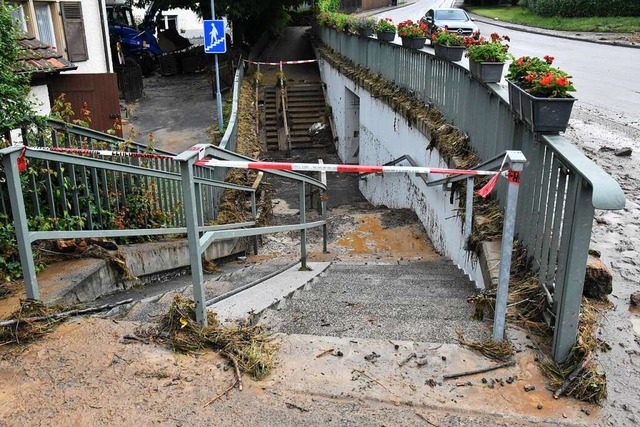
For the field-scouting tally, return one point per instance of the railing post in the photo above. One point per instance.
(254, 216)
(323, 209)
(468, 214)
(193, 236)
(303, 232)
(574, 248)
(16, 199)
(515, 161)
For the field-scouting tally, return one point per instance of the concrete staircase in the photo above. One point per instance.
(306, 106)
(418, 301)
(156, 300)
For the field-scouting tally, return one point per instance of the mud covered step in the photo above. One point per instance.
(421, 290)
(396, 270)
(348, 323)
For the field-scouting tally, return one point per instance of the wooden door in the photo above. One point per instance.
(99, 91)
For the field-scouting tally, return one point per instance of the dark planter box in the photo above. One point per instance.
(386, 36)
(542, 114)
(414, 42)
(449, 53)
(488, 72)
(366, 32)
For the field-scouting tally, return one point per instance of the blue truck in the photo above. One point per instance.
(133, 44)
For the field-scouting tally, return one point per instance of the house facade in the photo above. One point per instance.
(78, 32)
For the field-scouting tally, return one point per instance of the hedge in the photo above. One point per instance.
(583, 8)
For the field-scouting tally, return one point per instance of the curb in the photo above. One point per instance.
(542, 32)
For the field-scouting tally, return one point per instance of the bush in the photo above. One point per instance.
(583, 8)
(328, 5)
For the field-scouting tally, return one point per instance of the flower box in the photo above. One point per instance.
(488, 72)
(366, 32)
(386, 36)
(414, 42)
(449, 53)
(542, 114)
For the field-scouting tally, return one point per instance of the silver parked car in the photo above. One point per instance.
(454, 20)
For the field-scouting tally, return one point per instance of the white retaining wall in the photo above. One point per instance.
(384, 136)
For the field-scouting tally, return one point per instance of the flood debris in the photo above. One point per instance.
(251, 349)
(324, 352)
(481, 370)
(496, 350)
(407, 359)
(34, 319)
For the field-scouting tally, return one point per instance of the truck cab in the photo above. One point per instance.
(132, 44)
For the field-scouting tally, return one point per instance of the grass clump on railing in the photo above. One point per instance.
(578, 376)
(251, 347)
(235, 206)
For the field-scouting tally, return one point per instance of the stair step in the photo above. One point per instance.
(383, 291)
(348, 324)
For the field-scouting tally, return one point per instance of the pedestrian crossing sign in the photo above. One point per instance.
(214, 36)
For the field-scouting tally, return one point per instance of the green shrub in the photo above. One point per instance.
(584, 8)
(328, 5)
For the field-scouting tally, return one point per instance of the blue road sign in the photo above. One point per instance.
(214, 37)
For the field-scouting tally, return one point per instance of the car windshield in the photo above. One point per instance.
(451, 15)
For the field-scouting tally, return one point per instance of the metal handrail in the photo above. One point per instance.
(399, 160)
(560, 186)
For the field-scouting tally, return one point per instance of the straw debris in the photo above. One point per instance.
(24, 332)
(251, 346)
(235, 205)
(501, 350)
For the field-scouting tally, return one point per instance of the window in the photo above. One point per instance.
(45, 24)
(18, 15)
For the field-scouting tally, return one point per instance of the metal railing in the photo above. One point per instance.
(200, 239)
(91, 188)
(560, 187)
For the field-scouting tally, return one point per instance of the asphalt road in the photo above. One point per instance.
(605, 76)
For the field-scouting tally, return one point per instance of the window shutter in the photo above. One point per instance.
(74, 30)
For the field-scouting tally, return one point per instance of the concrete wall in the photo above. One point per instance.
(384, 136)
(39, 97)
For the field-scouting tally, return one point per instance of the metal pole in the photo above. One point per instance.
(303, 233)
(218, 94)
(468, 217)
(516, 162)
(20, 223)
(193, 236)
(254, 216)
(323, 209)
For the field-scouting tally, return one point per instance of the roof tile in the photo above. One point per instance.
(38, 57)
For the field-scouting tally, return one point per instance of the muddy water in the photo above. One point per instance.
(617, 235)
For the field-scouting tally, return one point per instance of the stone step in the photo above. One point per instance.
(444, 306)
(349, 324)
(418, 289)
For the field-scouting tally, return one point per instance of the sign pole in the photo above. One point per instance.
(218, 94)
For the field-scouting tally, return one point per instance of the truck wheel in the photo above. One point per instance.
(148, 65)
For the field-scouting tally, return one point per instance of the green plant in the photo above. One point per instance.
(537, 77)
(15, 108)
(385, 25)
(328, 5)
(364, 23)
(446, 38)
(412, 29)
(482, 50)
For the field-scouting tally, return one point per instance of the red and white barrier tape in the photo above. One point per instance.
(88, 152)
(301, 61)
(317, 167)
